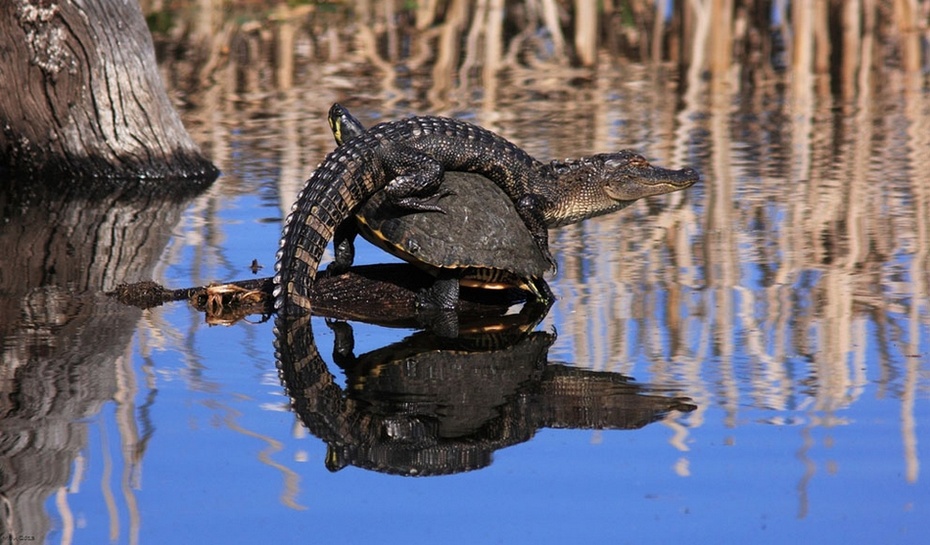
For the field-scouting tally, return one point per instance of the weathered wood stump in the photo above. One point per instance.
(81, 95)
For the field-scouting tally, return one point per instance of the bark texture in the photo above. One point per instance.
(80, 94)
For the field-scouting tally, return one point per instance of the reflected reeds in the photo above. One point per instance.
(786, 283)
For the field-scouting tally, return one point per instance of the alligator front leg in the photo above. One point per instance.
(417, 179)
(530, 207)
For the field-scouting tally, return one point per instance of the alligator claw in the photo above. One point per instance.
(336, 269)
(424, 204)
(542, 241)
(418, 205)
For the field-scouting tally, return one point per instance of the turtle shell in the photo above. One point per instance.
(480, 237)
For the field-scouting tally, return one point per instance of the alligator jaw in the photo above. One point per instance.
(647, 181)
(578, 189)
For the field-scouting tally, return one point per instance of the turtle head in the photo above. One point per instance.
(344, 125)
(605, 182)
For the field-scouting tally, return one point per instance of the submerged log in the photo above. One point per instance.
(381, 294)
(82, 95)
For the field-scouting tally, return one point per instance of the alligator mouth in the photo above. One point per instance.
(657, 182)
(680, 179)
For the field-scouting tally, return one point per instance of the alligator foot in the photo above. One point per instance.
(427, 203)
(417, 178)
(530, 207)
(343, 343)
(344, 247)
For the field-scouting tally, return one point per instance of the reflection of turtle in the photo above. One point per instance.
(479, 239)
(498, 356)
(431, 405)
(437, 401)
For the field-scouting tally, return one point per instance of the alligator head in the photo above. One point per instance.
(576, 189)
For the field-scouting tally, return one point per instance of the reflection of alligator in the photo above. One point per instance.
(407, 159)
(432, 405)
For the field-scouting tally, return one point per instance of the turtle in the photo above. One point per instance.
(463, 244)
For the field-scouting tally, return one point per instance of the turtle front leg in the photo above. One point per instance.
(437, 304)
(443, 294)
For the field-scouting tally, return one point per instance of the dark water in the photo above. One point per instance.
(786, 295)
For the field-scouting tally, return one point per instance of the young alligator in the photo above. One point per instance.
(479, 240)
(568, 191)
(407, 159)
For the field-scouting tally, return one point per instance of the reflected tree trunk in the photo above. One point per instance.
(82, 95)
(62, 340)
(85, 125)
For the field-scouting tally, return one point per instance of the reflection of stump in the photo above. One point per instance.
(83, 95)
(62, 340)
(59, 366)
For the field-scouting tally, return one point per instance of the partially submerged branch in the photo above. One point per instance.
(382, 294)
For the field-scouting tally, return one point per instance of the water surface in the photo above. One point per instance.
(786, 295)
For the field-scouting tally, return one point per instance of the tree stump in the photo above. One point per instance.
(80, 95)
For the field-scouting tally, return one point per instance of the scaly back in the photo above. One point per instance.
(353, 172)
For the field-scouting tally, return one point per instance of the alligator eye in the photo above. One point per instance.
(559, 167)
(618, 163)
(627, 160)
